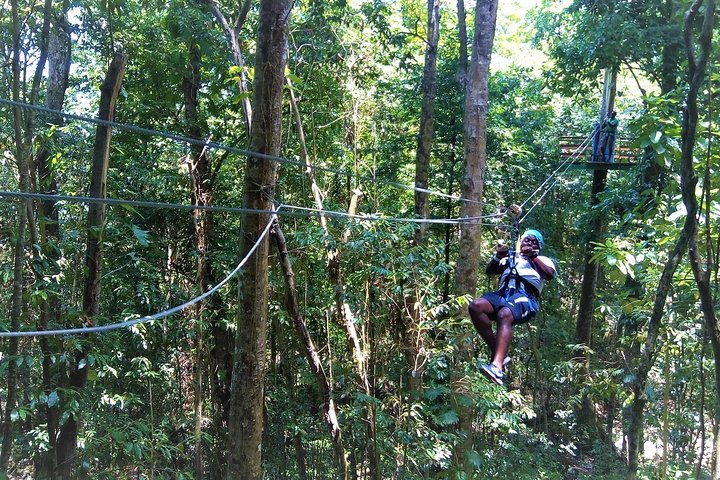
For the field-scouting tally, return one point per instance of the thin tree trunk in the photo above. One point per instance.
(300, 456)
(461, 75)
(701, 414)
(67, 439)
(200, 173)
(449, 229)
(702, 268)
(587, 419)
(688, 238)
(22, 160)
(11, 350)
(476, 104)
(59, 60)
(411, 336)
(425, 134)
(232, 38)
(245, 423)
(466, 271)
(325, 389)
(667, 378)
(343, 308)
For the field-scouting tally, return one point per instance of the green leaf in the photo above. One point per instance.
(474, 458)
(651, 393)
(141, 235)
(53, 399)
(433, 393)
(130, 208)
(294, 79)
(448, 418)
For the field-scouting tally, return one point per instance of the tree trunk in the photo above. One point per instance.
(344, 311)
(466, 271)
(425, 134)
(245, 423)
(688, 180)
(200, 171)
(232, 33)
(67, 439)
(476, 103)
(688, 236)
(587, 419)
(462, 72)
(449, 209)
(411, 335)
(670, 52)
(325, 389)
(22, 160)
(59, 61)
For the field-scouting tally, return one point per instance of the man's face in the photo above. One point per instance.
(531, 242)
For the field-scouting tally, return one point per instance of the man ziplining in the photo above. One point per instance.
(515, 302)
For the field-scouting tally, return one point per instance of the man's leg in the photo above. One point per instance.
(601, 148)
(480, 312)
(502, 336)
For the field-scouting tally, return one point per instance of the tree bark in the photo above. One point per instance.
(697, 67)
(587, 419)
(22, 161)
(325, 389)
(461, 75)
(59, 61)
(245, 422)
(425, 134)
(688, 235)
(344, 312)
(232, 38)
(67, 439)
(466, 271)
(476, 104)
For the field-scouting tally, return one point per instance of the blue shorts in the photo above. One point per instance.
(523, 306)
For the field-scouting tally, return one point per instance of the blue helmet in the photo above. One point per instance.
(534, 233)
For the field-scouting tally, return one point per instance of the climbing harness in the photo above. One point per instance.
(514, 212)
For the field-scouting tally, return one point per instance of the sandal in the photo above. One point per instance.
(493, 373)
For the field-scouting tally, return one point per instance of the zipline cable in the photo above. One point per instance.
(571, 159)
(210, 144)
(157, 316)
(300, 211)
(220, 146)
(537, 202)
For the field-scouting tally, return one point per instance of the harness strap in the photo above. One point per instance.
(527, 287)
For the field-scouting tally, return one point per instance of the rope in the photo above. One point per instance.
(220, 146)
(292, 210)
(157, 316)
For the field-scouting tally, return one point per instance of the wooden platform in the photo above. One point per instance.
(601, 165)
(580, 151)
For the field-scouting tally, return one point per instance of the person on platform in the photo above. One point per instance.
(608, 129)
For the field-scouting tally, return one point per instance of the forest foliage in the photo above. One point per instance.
(154, 398)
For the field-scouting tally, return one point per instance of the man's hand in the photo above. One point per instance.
(501, 250)
(529, 252)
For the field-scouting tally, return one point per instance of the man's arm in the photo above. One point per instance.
(543, 267)
(496, 265)
(541, 264)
